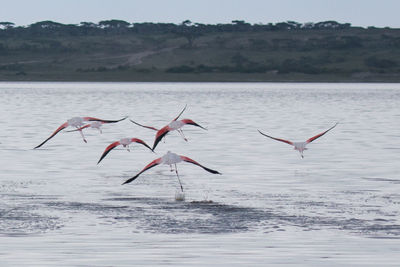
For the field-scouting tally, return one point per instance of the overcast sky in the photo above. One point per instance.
(363, 13)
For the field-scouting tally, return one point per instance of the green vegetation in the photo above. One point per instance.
(116, 50)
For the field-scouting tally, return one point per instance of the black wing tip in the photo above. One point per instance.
(129, 180)
(158, 140)
(214, 171)
(211, 170)
(202, 127)
(40, 144)
(263, 133)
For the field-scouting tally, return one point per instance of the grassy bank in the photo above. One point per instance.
(346, 54)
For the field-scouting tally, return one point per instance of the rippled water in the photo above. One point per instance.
(340, 205)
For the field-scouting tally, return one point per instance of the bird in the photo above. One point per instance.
(77, 122)
(175, 124)
(125, 142)
(300, 146)
(170, 159)
(95, 125)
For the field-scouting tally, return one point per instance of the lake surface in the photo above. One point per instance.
(340, 205)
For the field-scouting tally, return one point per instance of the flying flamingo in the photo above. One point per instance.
(300, 146)
(77, 122)
(95, 125)
(170, 159)
(173, 125)
(125, 142)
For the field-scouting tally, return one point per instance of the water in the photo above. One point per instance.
(340, 205)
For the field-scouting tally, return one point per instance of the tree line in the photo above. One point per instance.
(122, 27)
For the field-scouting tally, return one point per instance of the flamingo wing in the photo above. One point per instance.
(321, 134)
(190, 122)
(137, 140)
(63, 126)
(79, 129)
(186, 159)
(148, 127)
(277, 139)
(180, 113)
(103, 121)
(160, 134)
(149, 166)
(108, 149)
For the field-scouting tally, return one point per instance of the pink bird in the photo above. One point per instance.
(77, 122)
(94, 125)
(172, 126)
(125, 142)
(170, 159)
(300, 146)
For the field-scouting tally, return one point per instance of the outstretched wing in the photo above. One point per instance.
(104, 121)
(108, 149)
(139, 141)
(149, 166)
(79, 129)
(160, 134)
(277, 139)
(321, 134)
(148, 127)
(186, 159)
(180, 113)
(190, 122)
(63, 126)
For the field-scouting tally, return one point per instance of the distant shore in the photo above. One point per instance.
(225, 77)
(116, 50)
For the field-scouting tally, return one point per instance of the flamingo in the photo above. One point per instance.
(125, 142)
(170, 159)
(77, 122)
(300, 146)
(95, 125)
(172, 126)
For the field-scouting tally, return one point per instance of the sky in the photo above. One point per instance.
(364, 13)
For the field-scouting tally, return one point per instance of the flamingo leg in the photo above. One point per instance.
(183, 136)
(83, 137)
(100, 131)
(177, 175)
(170, 168)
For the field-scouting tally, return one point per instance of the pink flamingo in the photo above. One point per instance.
(125, 142)
(300, 146)
(170, 159)
(77, 122)
(172, 126)
(94, 125)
